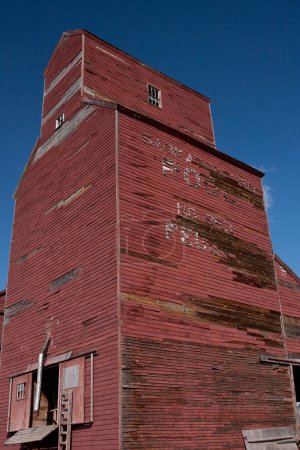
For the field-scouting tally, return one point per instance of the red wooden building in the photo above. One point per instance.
(145, 309)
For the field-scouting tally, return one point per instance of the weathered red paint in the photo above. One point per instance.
(77, 387)
(2, 302)
(195, 317)
(289, 293)
(134, 235)
(19, 413)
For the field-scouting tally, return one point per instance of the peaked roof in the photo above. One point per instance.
(205, 146)
(82, 31)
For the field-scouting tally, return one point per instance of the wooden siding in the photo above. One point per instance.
(2, 303)
(57, 94)
(194, 274)
(72, 377)
(289, 292)
(20, 408)
(199, 298)
(63, 85)
(66, 51)
(111, 74)
(63, 274)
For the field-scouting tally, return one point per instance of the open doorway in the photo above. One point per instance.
(47, 414)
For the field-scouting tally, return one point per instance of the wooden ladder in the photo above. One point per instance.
(65, 421)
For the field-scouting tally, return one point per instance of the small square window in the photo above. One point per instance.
(59, 121)
(154, 97)
(21, 391)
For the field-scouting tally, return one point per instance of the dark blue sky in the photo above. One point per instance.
(244, 55)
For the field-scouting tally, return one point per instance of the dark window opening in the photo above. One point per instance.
(154, 96)
(21, 391)
(59, 121)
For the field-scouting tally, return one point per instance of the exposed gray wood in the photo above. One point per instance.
(65, 278)
(278, 360)
(63, 73)
(103, 103)
(16, 308)
(270, 439)
(67, 95)
(34, 434)
(61, 133)
(71, 377)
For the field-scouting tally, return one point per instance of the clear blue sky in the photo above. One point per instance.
(244, 55)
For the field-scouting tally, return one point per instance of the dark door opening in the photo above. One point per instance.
(296, 375)
(49, 398)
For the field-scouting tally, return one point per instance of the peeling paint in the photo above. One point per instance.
(65, 97)
(66, 201)
(61, 75)
(29, 255)
(147, 257)
(173, 150)
(64, 131)
(16, 309)
(218, 311)
(89, 321)
(169, 167)
(65, 278)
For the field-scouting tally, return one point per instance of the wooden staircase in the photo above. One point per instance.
(65, 421)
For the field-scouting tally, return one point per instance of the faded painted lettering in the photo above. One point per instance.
(179, 154)
(193, 214)
(189, 236)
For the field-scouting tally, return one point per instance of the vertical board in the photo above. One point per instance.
(72, 378)
(20, 409)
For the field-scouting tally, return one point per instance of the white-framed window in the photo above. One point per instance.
(60, 120)
(154, 96)
(21, 391)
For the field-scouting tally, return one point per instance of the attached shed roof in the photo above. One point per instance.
(34, 434)
(281, 438)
